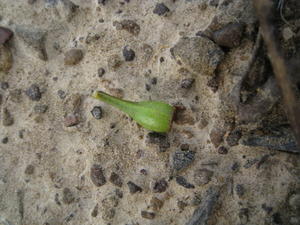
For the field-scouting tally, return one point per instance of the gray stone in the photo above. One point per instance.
(161, 9)
(161, 140)
(198, 53)
(115, 179)
(202, 176)
(73, 57)
(160, 186)
(183, 182)
(133, 188)
(128, 54)
(182, 159)
(97, 112)
(33, 92)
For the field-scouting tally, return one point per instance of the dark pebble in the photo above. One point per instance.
(4, 85)
(184, 147)
(40, 108)
(61, 94)
(101, 72)
(97, 175)
(160, 186)
(144, 172)
(5, 35)
(101, 2)
(181, 205)
(222, 150)
(148, 215)
(244, 215)
(156, 204)
(277, 218)
(72, 119)
(182, 159)
(147, 87)
(187, 83)
(119, 193)
(235, 166)
(154, 81)
(4, 140)
(56, 199)
(73, 57)
(133, 188)
(161, 59)
(234, 137)
(266, 208)
(7, 119)
(240, 190)
(161, 9)
(216, 136)
(68, 196)
(29, 170)
(95, 211)
(213, 83)
(184, 183)
(214, 3)
(97, 112)
(115, 179)
(128, 25)
(229, 36)
(128, 54)
(33, 92)
(158, 139)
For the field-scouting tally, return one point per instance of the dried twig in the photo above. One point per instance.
(264, 10)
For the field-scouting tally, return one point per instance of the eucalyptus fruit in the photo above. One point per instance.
(152, 115)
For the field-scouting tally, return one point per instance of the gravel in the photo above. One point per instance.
(133, 188)
(182, 159)
(161, 9)
(128, 54)
(97, 112)
(33, 92)
(184, 183)
(97, 175)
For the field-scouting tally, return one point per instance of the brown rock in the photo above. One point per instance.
(229, 36)
(148, 215)
(68, 196)
(115, 179)
(29, 170)
(71, 120)
(128, 25)
(156, 204)
(97, 175)
(73, 57)
(216, 136)
(160, 186)
(5, 59)
(5, 35)
(7, 119)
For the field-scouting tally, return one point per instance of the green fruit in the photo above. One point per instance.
(152, 115)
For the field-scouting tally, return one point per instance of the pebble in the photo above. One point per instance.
(160, 186)
(128, 54)
(234, 137)
(114, 62)
(102, 2)
(29, 169)
(4, 85)
(156, 204)
(187, 83)
(198, 54)
(61, 94)
(5, 35)
(129, 25)
(68, 196)
(119, 193)
(97, 112)
(101, 72)
(240, 190)
(216, 136)
(229, 36)
(244, 215)
(294, 202)
(161, 140)
(33, 92)
(115, 179)
(182, 116)
(4, 140)
(202, 176)
(108, 214)
(97, 175)
(222, 150)
(154, 81)
(183, 182)
(7, 119)
(71, 119)
(133, 188)
(95, 211)
(184, 147)
(148, 215)
(6, 59)
(40, 108)
(182, 159)
(181, 205)
(161, 9)
(73, 57)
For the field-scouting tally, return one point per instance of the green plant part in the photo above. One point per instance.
(152, 115)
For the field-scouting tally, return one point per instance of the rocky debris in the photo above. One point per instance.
(4, 85)
(68, 196)
(234, 137)
(240, 190)
(6, 59)
(4, 140)
(156, 204)
(92, 38)
(115, 179)
(161, 9)
(94, 213)
(40, 108)
(133, 188)
(61, 94)
(101, 72)
(202, 176)
(148, 215)
(202, 213)
(187, 83)
(229, 36)
(97, 175)
(7, 119)
(108, 205)
(29, 169)
(160, 186)
(35, 39)
(182, 159)
(5, 35)
(181, 205)
(97, 112)
(73, 57)
(129, 25)
(114, 62)
(33, 92)
(216, 136)
(199, 54)
(222, 150)
(161, 140)
(183, 182)
(184, 147)
(128, 54)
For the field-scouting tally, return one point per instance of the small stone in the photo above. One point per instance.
(148, 215)
(101, 72)
(244, 215)
(202, 176)
(154, 81)
(234, 137)
(156, 204)
(108, 214)
(97, 112)
(229, 36)
(147, 87)
(40, 108)
(95, 211)
(128, 54)
(5, 35)
(92, 38)
(133, 188)
(222, 150)
(183, 182)
(29, 170)
(214, 3)
(97, 175)
(4, 85)
(235, 166)
(144, 172)
(294, 202)
(68, 196)
(160, 186)
(115, 179)
(266, 208)
(216, 136)
(187, 83)
(72, 119)
(4, 140)
(182, 116)
(287, 33)
(161, 140)
(7, 119)
(182, 160)
(114, 62)
(73, 57)
(240, 190)
(161, 9)
(119, 193)
(61, 94)
(33, 92)
(128, 25)
(184, 147)
(6, 59)
(181, 205)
